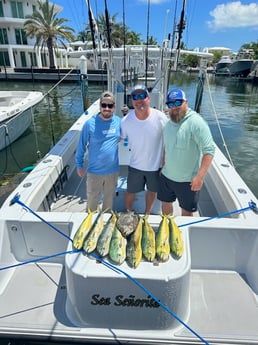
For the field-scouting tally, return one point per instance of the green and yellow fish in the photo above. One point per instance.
(134, 246)
(148, 240)
(106, 235)
(83, 231)
(90, 243)
(175, 239)
(162, 240)
(117, 247)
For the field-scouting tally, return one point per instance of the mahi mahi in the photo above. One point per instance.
(175, 239)
(92, 239)
(106, 235)
(162, 240)
(117, 248)
(134, 246)
(83, 231)
(148, 240)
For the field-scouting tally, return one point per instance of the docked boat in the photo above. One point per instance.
(241, 67)
(253, 75)
(51, 291)
(16, 109)
(222, 66)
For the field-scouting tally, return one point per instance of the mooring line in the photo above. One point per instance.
(148, 292)
(17, 200)
(252, 206)
(38, 259)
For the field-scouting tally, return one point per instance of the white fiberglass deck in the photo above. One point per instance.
(37, 293)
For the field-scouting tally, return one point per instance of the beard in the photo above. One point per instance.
(176, 115)
(107, 115)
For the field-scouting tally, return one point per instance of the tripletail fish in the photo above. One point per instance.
(162, 240)
(127, 222)
(83, 231)
(148, 240)
(175, 239)
(117, 247)
(106, 235)
(90, 243)
(134, 246)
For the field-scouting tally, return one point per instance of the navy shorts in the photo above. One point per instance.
(138, 179)
(170, 190)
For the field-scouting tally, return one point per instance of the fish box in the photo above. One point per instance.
(121, 297)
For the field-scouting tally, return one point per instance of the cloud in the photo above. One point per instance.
(234, 15)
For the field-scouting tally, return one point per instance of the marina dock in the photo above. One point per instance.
(48, 74)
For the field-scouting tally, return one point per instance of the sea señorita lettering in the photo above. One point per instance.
(121, 301)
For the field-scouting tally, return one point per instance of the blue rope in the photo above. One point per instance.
(38, 259)
(117, 270)
(143, 288)
(17, 200)
(252, 206)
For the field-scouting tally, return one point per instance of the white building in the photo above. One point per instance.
(17, 50)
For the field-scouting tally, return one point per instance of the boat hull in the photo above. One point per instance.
(14, 128)
(16, 114)
(240, 68)
(222, 68)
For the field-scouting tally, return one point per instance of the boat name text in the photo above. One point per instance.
(121, 301)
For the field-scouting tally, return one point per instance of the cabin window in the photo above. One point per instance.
(17, 9)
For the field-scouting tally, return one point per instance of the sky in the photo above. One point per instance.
(209, 23)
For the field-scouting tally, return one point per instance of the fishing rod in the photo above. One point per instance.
(147, 44)
(108, 25)
(180, 28)
(125, 98)
(92, 30)
(172, 45)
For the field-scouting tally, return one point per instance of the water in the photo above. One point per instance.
(234, 106)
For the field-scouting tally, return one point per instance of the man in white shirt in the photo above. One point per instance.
(143, 127)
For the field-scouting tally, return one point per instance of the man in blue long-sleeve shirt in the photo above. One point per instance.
(100, 137)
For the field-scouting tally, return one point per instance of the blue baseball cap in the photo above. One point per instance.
(175, 94)
(140, 87)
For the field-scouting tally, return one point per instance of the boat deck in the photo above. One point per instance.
(72, 198)
(35, 291)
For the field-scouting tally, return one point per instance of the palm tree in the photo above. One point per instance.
(47, 28)
(119, 33)
(151, 41)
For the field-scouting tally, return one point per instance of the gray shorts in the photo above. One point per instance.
(138, 179)
(170, 190)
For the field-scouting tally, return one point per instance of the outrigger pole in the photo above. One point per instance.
(180, 27)
(92, 29)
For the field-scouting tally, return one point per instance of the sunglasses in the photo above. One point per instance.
(109, 105)
(139, 96)
(176, 103)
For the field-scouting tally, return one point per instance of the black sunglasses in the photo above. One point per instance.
(109, 105)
